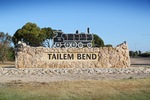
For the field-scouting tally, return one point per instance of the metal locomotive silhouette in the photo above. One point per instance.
(73, 40)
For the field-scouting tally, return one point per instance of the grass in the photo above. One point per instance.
(127, 89)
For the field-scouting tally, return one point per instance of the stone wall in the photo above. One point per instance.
(107, 57)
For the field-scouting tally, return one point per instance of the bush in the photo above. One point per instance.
(97, 42)
(11, 54)
(144, 55)
(108, 45)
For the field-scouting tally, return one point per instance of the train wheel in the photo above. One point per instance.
(67, 44)
(73, 44)
(58, 45)
(89, 45)
(80, 45)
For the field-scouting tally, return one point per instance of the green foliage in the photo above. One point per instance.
(108, 45)
(11, 54)
(146, 54)
(5, 41)
(98, 42)
(49, 36)
(139, 53)
(133, 53)
(31, 34)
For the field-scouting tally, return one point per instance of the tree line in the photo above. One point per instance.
(32, 35)
(6, 50)
(139, 54)
(35, 36)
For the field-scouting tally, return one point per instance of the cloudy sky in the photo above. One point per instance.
(114, 21)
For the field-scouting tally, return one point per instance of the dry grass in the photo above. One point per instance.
(126, 89)
(140, 61)
(131, 89)
(7, 64)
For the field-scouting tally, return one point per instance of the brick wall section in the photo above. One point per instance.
(108, 57)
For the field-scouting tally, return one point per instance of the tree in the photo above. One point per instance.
(98, 42)
(131, 53)
(49, 36)
(31, 34)
(145, 54)
(108, 45)
(136, 53)
(5, 41)
(140, 52)
(10, 54)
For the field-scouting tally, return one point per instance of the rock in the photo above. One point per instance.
(106, 57)
(75, 71)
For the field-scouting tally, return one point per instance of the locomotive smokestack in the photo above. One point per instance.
(77, 31)
(88, 30)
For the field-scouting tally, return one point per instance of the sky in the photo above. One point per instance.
(115, 21)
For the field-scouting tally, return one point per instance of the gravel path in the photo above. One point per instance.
(68, 74)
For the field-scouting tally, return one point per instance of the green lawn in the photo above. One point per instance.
(126, 89)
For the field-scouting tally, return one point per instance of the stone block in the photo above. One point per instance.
(106, 57)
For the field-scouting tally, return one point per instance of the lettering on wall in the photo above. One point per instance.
(72, 56)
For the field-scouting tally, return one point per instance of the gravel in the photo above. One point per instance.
(67, 74)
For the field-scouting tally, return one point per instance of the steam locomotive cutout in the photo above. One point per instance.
(73, 40)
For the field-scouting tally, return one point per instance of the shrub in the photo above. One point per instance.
(144, 55)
